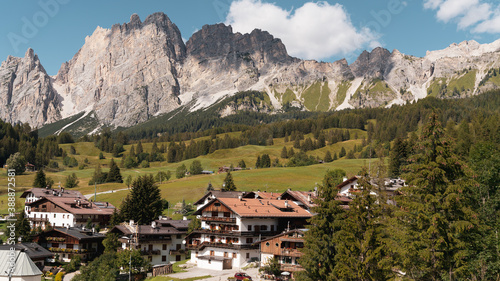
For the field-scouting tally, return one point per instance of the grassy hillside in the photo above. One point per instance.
(276, 179)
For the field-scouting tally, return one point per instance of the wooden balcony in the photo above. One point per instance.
(291, 253)
(219, 219)
(221, 245)
(150, 252)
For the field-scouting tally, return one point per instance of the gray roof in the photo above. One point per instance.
(24, 265)
(79, 233)
(34, 251)
(179, 224)
(52, 192)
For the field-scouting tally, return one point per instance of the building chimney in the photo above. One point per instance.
(256, 195)
(153, 224)
(131, 222)
(309, 198)
(240, 197)
(286, 204)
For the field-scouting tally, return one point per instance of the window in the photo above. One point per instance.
(212, 253)
(217, 204)
(272, 227)
(248, 255)
(267, 244)
(226, 254)
(249, 240)
(234, 255)
(54, 215)
(164, 247)
(215, 214)
(163, 258)
(179, 236)
(277, 245)
(235, 240)
(250, 228)
(263, 227)
(227, 214)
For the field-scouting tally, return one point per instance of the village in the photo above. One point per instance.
(238, 233)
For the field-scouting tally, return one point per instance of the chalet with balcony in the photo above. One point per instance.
(230, 226)
(66, 242)
(161, 242)
(66, 211)
(285, 247)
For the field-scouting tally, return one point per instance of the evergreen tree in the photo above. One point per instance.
(342, 152)
(22, 228)
(116, 218)
(114, 174)
(319, 244)
(209, 187)
(139, 149)
(437, 212)
(195, 168)
(328, 157)
(71, 181)
(242, 164)
(229, 183)
(257, 163)
(397, 157)
(128, 181)
(363, 251)
(265, 161)
(111, 243)
(291, 152)
(143, 204)
(284, 153)
(40, 180)
(335, 156)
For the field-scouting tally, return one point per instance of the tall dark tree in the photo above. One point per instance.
(437, 213)
(22, 228)
(363, 243)
(342, 152)
(71, 181)
(257, 163)
(139, 148)
(229, 183)
(319, 243)
(195, 168)
(143, 204)
(284, 152)
(114, 174)
(328, 157)
(40, 180)
(397, 157)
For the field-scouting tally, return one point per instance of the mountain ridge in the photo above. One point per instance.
(137, 70)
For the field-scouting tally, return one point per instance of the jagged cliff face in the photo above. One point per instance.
(126, 74)
(26, 94)
(137, 70)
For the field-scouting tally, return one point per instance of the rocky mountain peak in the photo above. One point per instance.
(372, 64)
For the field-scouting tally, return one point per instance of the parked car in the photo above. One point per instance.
(242, 276)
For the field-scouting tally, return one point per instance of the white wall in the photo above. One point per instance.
(212, 264)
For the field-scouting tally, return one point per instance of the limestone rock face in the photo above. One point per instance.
(26, 93)
(136, 70)
(126, 74)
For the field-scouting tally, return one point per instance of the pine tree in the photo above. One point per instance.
(319, 244)
(71, 181)
(342, 152)
(257, 163)
(139, 149)
(114, 174)
(291, 152)
(143, 204)
(229, 183)
(397, 157)
(328, 157)
(437, 212)
(242, 164)
(284, 153)
(335, 156)
(22, 228)
(195, 168)
(363, 251)
(40, 180)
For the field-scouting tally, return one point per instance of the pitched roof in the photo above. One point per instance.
(304, 197)
(348, 181)
(262, 195)
(219, 194)
(33, 250)
(178, 224)
(24, 265)
(84, 208)
(300, 231)
(247, 207)
(148, 229)
(77, 233)
(51, 192)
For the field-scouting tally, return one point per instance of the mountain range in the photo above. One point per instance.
(127, 74)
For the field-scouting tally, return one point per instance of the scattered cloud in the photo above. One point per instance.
(479, 16)
(316, 30)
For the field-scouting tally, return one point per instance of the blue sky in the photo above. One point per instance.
(322, 30)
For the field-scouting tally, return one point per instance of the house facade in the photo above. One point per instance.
(286, 247)
(67, 242)
(160, 243)
(231, 226)
(66, 211)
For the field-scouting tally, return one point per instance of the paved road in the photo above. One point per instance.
(88, 196)
(217, 275)
(69, 276)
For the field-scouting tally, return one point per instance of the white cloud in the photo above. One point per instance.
(313, 31)
(475, 14)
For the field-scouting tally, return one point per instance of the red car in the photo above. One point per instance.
(242, 276)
